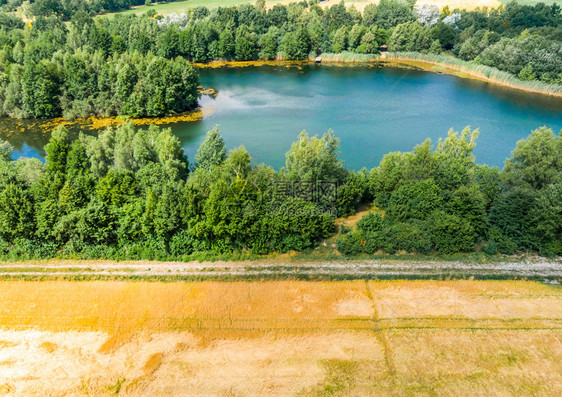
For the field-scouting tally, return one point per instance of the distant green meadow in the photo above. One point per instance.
(180, 6)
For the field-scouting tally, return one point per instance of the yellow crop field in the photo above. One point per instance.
(281, 338)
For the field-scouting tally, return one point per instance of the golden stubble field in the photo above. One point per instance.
(281, 338)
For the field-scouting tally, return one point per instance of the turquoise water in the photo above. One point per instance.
(373, 111)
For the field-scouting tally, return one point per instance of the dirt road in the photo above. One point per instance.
(536, 268)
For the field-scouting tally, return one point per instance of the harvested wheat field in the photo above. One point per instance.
(281, 338)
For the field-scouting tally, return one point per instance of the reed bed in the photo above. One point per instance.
(347, 57)
(483, 72)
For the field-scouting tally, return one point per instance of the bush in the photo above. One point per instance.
(350, 244)
(371, 223)
(451, 234)
(510, 216)
(410, 237)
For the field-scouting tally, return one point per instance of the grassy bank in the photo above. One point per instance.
(482, 72)
(179, 7)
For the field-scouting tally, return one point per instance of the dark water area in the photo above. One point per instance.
(373, 111)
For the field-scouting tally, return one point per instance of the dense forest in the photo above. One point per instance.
(131, 193)
(137, 65)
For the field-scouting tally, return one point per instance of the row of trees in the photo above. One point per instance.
(131, 193)
(441, 200)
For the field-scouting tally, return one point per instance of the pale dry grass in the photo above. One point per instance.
(152, 366)
(62, 305)
(501, 363)
(468, 299)
(281, 338)
(351, 220)
(272, 366)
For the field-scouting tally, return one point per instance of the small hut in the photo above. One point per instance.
(383, 48)
(318, 60)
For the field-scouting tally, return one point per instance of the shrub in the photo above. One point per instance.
(350, 244)
(451, 234)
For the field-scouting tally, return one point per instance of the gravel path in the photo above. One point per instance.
(536, 268)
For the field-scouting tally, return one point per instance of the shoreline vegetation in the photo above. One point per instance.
(481, 72)
(449, 65)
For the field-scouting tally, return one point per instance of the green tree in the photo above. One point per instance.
(510, 216)
(212, 151)
(468, 203)
(16, 212)
(296, 45)
(5, 151)
(391, 13)
(302, 39)
(57, 151)
(450, 233)
(410, 36)
(527, 73)
(269, 43)
(238, 163)
(339, 41)
(315, 159)
(445, 34)
(227, 44)
(41, 88)
(355, 36)
(78, 79)
(536, 161)
(169, 43)
(416, 200)
(455, 158)
(546, 220)
(245, 44)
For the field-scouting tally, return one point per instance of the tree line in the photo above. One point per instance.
(131, 193)
(136, 65)
(65, 9)
(440, 200)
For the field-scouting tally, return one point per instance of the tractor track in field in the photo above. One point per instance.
(550, 271)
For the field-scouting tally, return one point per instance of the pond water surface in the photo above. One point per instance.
(373, 110)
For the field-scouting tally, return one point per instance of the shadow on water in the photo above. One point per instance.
(520, 98)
